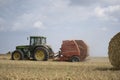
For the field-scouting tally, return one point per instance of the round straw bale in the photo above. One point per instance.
(114, 51)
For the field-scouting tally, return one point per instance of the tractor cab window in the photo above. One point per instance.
(37, 40)
(43, 40)
(32, 41)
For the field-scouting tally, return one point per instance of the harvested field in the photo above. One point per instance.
(95, 68)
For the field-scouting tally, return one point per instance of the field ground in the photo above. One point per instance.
(91, 69)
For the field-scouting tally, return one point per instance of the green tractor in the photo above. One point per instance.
(37, 50)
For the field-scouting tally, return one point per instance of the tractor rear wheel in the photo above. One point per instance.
(40, 54)
(75, 59)
(17, 55)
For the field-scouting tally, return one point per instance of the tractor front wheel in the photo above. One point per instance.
(17, 55)
(40, 54)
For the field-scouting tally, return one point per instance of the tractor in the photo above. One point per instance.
(36, 50)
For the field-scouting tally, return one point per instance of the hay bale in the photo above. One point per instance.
(114, 51)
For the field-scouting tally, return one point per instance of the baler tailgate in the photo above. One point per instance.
(83, 49)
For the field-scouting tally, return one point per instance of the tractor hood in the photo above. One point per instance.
(22, 47)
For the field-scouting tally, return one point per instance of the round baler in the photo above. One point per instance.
(73, 50)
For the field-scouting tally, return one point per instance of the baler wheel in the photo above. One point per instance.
(75, 59)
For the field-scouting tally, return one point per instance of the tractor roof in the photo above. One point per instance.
(37, 37)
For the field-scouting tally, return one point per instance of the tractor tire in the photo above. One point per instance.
(40, 54)
(17, 55)
(75, 59)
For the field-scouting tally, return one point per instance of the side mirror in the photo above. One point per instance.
(27, 38)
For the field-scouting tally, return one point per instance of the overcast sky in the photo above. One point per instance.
(94, 21)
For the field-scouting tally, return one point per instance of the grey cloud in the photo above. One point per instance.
(83, 2)
(16, 14)
(107, 9)
(5, 2)
(110, 13)
(21, 14)
(88, 3)
(114, 11)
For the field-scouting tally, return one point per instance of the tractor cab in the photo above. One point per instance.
(37, 40)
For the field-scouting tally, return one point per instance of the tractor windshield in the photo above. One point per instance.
(37, 40)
